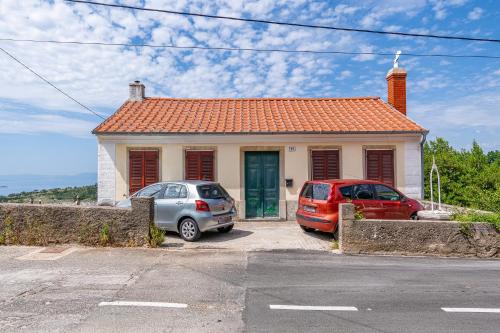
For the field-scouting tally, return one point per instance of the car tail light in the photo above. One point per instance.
(202, 206)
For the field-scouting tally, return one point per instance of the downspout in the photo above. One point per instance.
(422, 142)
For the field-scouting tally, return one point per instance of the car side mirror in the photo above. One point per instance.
(404, 199)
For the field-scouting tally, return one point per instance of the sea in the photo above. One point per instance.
(10, 184)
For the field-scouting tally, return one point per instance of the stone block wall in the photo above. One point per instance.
(30, 224)
(407, 237)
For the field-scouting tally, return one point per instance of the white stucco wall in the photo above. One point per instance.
(106, 168)
(413, 170)
(229, 150)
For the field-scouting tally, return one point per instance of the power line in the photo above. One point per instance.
(480, 56)
(51, 84)
(380, 32)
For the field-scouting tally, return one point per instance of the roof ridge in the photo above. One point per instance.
(263, 98)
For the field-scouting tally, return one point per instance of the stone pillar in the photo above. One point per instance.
(346, 213)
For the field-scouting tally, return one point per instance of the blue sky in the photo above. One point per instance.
(43, 132)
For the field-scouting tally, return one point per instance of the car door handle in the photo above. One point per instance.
(178, 203)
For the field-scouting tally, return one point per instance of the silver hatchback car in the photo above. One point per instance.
(189, 207)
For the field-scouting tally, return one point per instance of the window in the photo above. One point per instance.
(321, 191)
(211, 191)
(199, 165)
(151, 191)
(362, 192)
(386, 193)
(325, 164)
(316, 191)
(143, 169)
(175, 191)
(380, 166)
(346, 192)
(307, 191)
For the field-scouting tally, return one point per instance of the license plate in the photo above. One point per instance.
(224, 219)
(310, 209)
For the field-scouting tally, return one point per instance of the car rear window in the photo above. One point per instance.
(321, 191)
(316, 191)
(212, 191)
(346, 192)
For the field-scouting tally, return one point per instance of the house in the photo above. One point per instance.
(260, 149)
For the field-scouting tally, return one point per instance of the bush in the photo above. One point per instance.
(104, 235)
(156, 236)
(7, 235)
(472, 217)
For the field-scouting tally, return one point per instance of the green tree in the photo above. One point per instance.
(469, 178)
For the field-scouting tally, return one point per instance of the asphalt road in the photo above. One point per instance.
(224, 291)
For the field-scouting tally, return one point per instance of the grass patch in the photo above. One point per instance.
(335, 244)
(104, 235)
(156, 236)
(466, 219)
(7, 235)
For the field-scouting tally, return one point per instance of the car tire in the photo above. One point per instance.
(306, 229)
(225, 230)
(189, 230)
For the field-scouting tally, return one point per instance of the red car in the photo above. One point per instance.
(319, 202)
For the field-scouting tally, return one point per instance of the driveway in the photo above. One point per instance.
(256, 236)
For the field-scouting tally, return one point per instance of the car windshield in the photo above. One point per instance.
(212, 191)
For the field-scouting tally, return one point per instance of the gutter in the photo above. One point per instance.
(422, 142)
(258, 133)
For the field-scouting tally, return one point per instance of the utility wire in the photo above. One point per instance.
(250, 49)
(51, 84)
(380, 32)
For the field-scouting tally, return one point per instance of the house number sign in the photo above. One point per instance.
(292, 149)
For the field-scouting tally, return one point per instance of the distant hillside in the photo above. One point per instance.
(55, 195)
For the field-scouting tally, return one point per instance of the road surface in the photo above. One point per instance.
(148, 290)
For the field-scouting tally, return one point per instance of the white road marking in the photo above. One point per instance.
(312, 308)
(472, 310)
(149, 304)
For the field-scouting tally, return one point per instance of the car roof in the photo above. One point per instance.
(189, 182)
(344, 181)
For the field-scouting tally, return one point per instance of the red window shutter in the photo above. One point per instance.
(143, 169)
(380, 166)
(200, 165)
(325, 164)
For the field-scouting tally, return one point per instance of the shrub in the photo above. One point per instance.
(358, 214)
(156, 236)
(104, 235)
(7, 235)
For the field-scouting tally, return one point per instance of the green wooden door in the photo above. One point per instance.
(262, 184)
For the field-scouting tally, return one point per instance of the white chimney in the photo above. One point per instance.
(136, 91)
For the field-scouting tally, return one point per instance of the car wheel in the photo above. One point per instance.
(414, 216)
(306, 229)
(189, 230)
(225, 229)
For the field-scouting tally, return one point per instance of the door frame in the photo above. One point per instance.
(281, 171)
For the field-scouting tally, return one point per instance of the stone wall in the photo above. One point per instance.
(444, 238)
(29, 224)
(451, 208)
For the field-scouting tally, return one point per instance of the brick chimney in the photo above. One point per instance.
(136, 91)
(396, 89)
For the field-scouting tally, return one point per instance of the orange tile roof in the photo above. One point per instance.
(257, 116)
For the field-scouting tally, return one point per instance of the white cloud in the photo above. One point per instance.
(365, 57)
(344, 74)
(474, 110)
(440, 7)
(475, 14)
(16, 123)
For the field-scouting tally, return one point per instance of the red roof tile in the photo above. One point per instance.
(257, 115)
